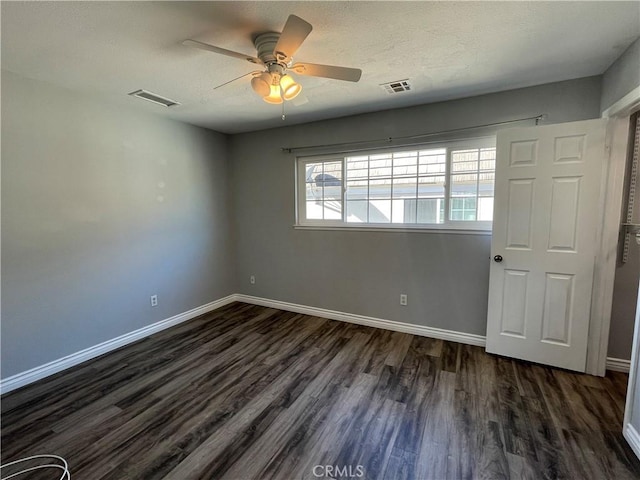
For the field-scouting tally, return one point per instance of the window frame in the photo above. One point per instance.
(457, 226)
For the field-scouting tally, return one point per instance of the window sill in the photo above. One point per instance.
(397, 229)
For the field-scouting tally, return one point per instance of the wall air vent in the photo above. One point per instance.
(397, 86)
(152, 97)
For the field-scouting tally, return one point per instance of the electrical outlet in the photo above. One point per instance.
(252, 279)
(154, 300)
(403, 299)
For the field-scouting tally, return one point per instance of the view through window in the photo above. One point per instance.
(425, 186)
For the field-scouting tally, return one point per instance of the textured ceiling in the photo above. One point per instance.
(446, 49)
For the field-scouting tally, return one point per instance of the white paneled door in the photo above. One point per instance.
(545, 228)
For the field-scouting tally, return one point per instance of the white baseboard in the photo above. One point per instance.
(24, 378)
(632, 436)
(618, 364)
(461, 337)
(615, 364)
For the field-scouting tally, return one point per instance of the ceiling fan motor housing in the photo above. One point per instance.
(275, 51)
(265, 44)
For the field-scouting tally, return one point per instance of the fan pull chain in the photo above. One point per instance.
(283, 102)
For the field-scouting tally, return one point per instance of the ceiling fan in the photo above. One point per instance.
(275, 52)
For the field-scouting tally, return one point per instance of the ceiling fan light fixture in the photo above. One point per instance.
(274, 95)
(274, 53)
(290, 89)
(261, 84)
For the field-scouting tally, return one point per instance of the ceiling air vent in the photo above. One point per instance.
(152, 97)
(397, 86)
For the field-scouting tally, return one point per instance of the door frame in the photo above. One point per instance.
(628, 430)
(617, 143)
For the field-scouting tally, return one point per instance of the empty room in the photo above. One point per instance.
(320, 240)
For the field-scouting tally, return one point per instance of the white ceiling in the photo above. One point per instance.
(446, 49)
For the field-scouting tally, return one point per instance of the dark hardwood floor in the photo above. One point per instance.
(250, 392)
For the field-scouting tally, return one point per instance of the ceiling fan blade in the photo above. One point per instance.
(292, 36)
(237, 78)
(221, 51)
(327, 71)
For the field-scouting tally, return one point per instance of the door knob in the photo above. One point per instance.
(497, 258)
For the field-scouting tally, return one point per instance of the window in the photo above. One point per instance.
(449, 185)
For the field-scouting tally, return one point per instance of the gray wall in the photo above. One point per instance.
(625, 290)
(622, 76)
(101, 208)
(624, 303)
(445, 275)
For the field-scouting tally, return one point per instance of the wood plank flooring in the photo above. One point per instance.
(248, 392)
